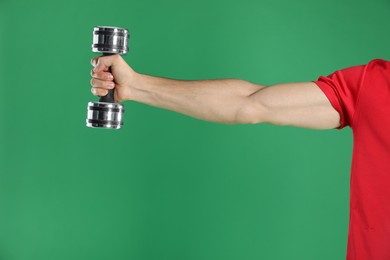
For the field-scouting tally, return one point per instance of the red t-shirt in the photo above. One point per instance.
(361, 95)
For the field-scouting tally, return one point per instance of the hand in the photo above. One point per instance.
(121, 77)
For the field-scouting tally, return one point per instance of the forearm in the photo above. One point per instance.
(212, 100)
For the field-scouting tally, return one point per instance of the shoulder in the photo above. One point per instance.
(373, 70)
(379, 64)
(377, 70)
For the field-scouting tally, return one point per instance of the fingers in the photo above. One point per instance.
(101, 87)
(104, 62)
(97, 83)
(99, 66)
(99, 92)
(101, 75)
(94, 61)
(102, 78)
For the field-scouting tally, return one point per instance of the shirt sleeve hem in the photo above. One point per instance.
(332, 97)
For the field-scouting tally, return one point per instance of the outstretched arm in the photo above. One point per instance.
(228, 101)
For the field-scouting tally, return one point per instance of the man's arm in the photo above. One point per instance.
(228, 101)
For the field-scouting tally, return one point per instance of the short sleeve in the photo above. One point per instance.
(342, 89)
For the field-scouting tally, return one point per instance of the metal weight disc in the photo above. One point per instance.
(108, 39)
(105, 115)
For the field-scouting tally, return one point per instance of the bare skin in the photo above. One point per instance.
(229, 101)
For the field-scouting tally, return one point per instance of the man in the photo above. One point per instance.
(358, 97)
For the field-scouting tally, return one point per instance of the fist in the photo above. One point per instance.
(112, 72)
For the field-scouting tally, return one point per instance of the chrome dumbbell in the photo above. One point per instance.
(106, 113)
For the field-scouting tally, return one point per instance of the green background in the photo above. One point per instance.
(167, 186)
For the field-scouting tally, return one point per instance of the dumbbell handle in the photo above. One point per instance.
(109, 98)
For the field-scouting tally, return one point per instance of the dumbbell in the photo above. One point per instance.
(106, 113)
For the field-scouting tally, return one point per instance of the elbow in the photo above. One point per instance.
(250, 113)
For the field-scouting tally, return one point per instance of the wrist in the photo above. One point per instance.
(132, 85)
